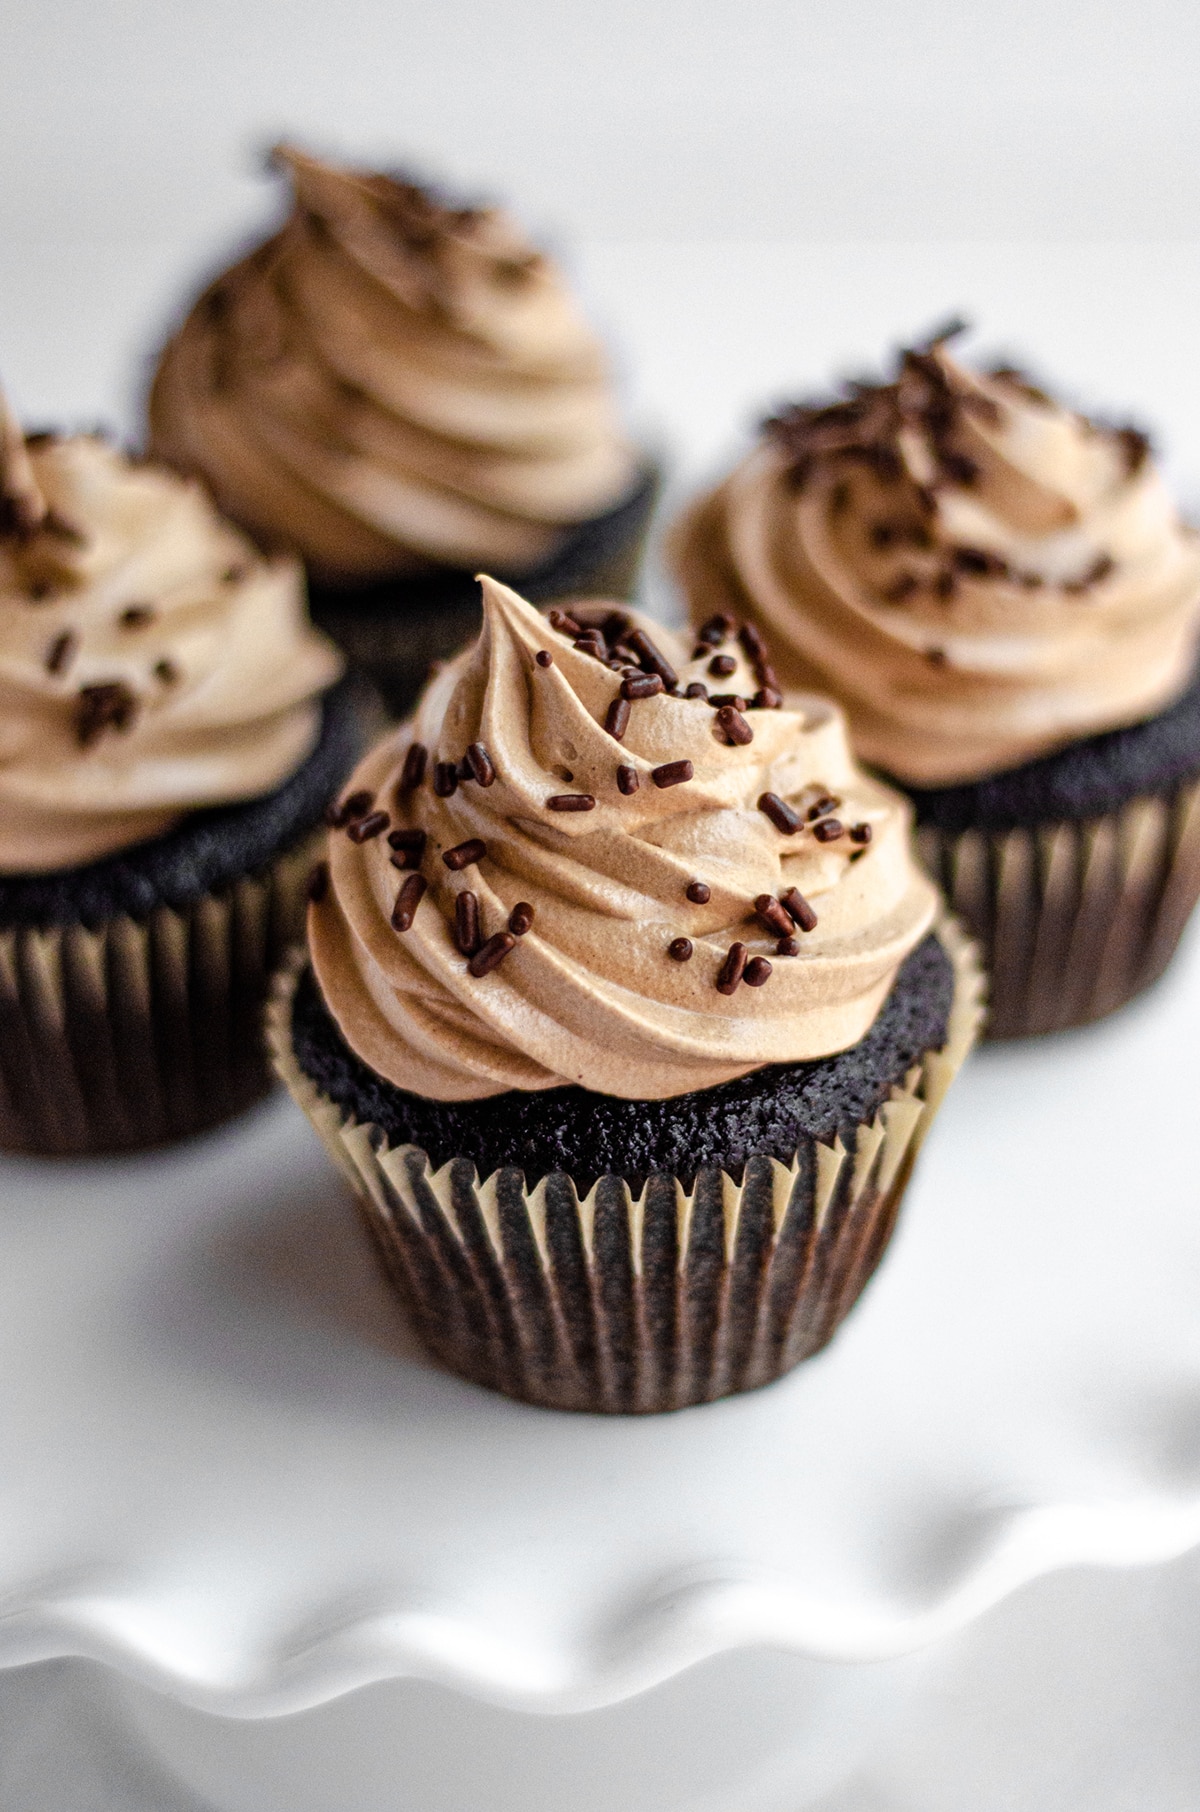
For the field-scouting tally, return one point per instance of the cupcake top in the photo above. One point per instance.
(151, 661)
(600, 857)
(391, 383)
(979, 574)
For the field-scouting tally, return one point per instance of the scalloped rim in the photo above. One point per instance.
(682, 1621)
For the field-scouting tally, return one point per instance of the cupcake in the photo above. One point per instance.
(171, 731)
(1003, 598)
(403, 391)
(625, 1009)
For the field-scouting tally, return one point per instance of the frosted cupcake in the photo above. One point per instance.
(627, 1011)
(402, 392)
(171, 731)
(1004, 599)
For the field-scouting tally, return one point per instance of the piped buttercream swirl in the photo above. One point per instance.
(637, 896)
(151, 661)
(390, 383)
(977, 573)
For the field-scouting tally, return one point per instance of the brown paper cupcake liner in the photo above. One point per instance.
(631, 1300)
(143, 1030)
(1074, 919)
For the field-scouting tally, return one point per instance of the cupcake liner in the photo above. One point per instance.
(143, 1030)
(636, 1299)
(1074, 918)
(395, 629)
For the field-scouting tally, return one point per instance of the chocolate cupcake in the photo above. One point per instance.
(1005, 601)
(403, 391)
(625, 1010)
(171, 731)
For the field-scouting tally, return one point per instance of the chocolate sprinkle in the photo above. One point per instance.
(799, 909)
(827, 830)
(698, 892)
(768, 699)
(445, 779)
(109, 705)
(414, 766)
(617, 720)
(860, 833)
(481, 764)
(680, 949)
(641, 685)
(466, 922)
(318, 883)
(627, 780)
(520, 918)
(59, 653)
(787, 946)
(408, 839)
(717, 629)
(785, 820)
(463, 854)
(672, 773)
(564, 623)
(722, 665)
(772, 916)
(363, 829)
(721, 700)
(166, 671)
(651, 657)
(490, 955)
(407, 901)
(695, 689)
(571, 802)
(733, 726)
(756, 972)
(732, 969)
(136, 616)
(355, 805)
(544, 658)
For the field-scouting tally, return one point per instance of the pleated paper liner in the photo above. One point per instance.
(144, 1030)
(395, 629)
(1074, 919)
(631, 1301)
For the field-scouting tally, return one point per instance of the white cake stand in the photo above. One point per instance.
(230, 1478)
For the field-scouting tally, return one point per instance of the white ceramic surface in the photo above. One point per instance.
(228, 1472)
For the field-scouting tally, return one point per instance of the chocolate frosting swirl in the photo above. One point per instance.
(391, 383)
(151, 661)
(593, 990)
(977, 573)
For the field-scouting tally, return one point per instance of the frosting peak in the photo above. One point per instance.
(151, 662)
(978, 573)
(571, 868)
(391, 382)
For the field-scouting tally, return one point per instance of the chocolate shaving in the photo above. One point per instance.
(490, 955)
